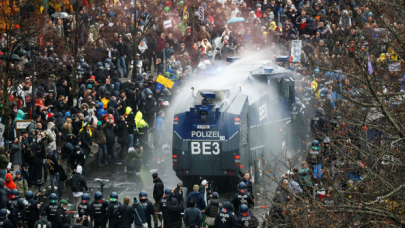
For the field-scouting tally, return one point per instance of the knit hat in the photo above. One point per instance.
(67, 114)
(18, 172)
(89, 86)
(99, 123)
(79, 169)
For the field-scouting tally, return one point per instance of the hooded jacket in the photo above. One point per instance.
(140, 123)
(130, 117)
(158, 189)
(199, 199)
(22, 186)
(43, 222)
(51, 135)
(10, 185)
(4, 160)
(100, 109)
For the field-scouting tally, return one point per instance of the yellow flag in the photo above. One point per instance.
(164, 81)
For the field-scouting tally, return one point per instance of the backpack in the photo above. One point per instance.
(28, 151)
(75, 183)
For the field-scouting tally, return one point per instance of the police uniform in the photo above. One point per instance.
(299, 127)
(32, 212)
(149, 212)
(11, 203)
(17, 214)
(225, 219)
(114, 220)
(84, 209)
(164, 209)
(237, 201)
(6, 223)
(247, 221)
(318, 125)
(99, 212)
(51, 210)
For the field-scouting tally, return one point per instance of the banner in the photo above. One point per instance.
(394, 66)
(167, 24)
(296, 47)
(164, 81)
(201, 11)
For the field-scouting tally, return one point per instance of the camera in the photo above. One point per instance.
(40, 182)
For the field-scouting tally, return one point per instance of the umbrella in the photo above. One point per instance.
(60, 15)
(236, 19)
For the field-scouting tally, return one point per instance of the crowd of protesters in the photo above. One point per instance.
(116, 98)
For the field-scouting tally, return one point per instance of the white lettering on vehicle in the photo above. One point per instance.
(206, 148)
(205, 134)
(262, 112)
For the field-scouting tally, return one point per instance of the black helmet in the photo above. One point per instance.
(165, 92)
(297, 106)
(98, 195)
(320, 111)
(20, 202)
(215, 195)
(228, 206)
(107, 60)
(15, 194)
(85, 198)
(324, 93)
(326, 140)
(143, 195)
(113, 196)
(77, 147)
(3, 213)
(148, 92)
(307, 91)
(315, 145)
(242, 187)
(167, 191)
(53, 199)
(99, 65)
(243, 209)
(29, 195)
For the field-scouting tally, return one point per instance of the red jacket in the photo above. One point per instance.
(161, 43)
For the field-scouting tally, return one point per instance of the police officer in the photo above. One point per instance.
(61, 215)
(114, 204)
(163, 206)
(4, 221)
(150, 210)
(315, 159)
(318, 123)
(84, 209)
(246, 220)
(32, 210)
(51, 209)
(325, 101)
(13, 201)
(240, 197)
(148, 107)
(299, 126)
(18, 212)
(99, 210)
(225, 217)
(309, 102)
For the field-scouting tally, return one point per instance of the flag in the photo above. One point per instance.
(370, 66)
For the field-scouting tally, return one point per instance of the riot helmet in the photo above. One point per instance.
(29, 195)
(20, 202)
(167, 192)
(53, 199)
(297, 106)
(98, 196)
(143, 195)
(315, 145)
(242, 187)
(15, 194)
(85, 198)
(215, 195)
(320, 111)
(228, 206)
(324, 93)
(113, 196)
(3, 213)
(243, 210)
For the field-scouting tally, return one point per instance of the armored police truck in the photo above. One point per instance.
(219, 133)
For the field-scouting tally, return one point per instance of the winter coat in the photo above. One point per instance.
(43, 222)
(4, 160)
(109, 131)
(85, 139)
(126, 213)
(175, 214)
(212, 208)
(122, 133)
(3, 194)
(100, 109)
(16, 154)
(139, 214)
(51, 135)
(199, 199)
(99, 136)
(130, 117)
(158, 189)
(22, 186)
(192, 217)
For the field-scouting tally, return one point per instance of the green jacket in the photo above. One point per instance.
(135, 156)
(22, 186)
(4, 160)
